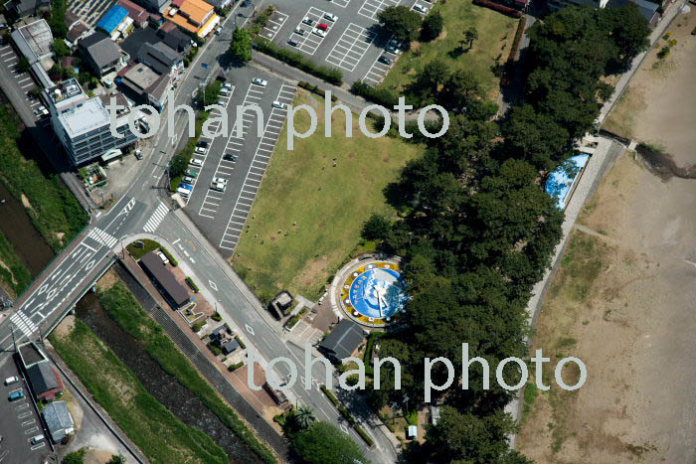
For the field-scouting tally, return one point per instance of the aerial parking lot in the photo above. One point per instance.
(341, 33)
(230, 169)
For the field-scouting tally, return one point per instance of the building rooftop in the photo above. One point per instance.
(43, 378)
(84, 117)
(195, 16)
(66, 93)
(34, 40)
(112, 19)
(137, 12)
(101, 49)
(164, 277)
(344, 339)
(59, 420)
(159, 56)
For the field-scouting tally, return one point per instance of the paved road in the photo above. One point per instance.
(61, 285)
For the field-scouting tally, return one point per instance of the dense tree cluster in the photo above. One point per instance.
(476, 229)
(240, 46)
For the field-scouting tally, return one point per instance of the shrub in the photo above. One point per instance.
(169, 256)
(432, 26)
(366, 438)
(380, 96)
(192, 284)
(329, 74)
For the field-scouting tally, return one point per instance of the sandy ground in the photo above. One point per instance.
(660, 104)
(623, 300)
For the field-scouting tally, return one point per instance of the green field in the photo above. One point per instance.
(161, 436)
(14, 274)
(54, 211)
(123, 308)
(308, 216)
(495, 35)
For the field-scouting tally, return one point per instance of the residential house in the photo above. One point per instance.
(101, 53)
(22, 8)
(162, 59)
(194, 16)
(147, 85)
(116, 22)
(153, 5)
(175, 293)
(137, 13)
(173, 37)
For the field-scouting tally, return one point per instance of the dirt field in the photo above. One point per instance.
(660, 104)
(623, 300)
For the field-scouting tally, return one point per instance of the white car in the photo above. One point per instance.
(224, 91)
(331, 17)
(299, 30)
(196, 162)
(277, 104)
(227, 86)
(259, 81)
(308, 21)
(219, 180)
(319, 32)
(11, 380)
(188, 180)
(220, 187)
(420, 8)
(200, 151)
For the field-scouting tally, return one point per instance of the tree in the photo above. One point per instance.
(376, 228)
(304, 418)
(432, 26)
(76, 457)
(240, 47)
(400, 21)
(210, 94)
(57, 19)
(23, 64)
(60, 48)
(325, 444)
(117, 459)
(470, 36)
(427, 85)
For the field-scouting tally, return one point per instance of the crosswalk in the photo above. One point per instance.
(156, 219)
(102, 237)
(23, 323)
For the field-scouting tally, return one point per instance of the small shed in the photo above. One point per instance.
(343, 341)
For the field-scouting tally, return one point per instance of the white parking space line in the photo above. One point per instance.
(371, 8)
(233, 147)
(309, 42)
(341, 3)
(235, 224)
(377, 72)
(351, 47)
(271, 29)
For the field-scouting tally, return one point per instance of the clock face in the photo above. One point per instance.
(374, 293)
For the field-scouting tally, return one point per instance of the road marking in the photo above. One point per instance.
(351, 47)
(102, 237)
(249, 329)
(213, 285)
(371, 8)
(23, 323)
(156, 219)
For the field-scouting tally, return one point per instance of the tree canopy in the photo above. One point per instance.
(240, 47)
(400, 21)
(323, 443)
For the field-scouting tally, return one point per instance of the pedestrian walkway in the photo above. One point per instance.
(156, 219)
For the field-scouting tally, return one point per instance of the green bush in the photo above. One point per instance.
(366, 438)
(380, 96)
(329, 74)
(192, 284)
(235, 366)
(331, 396)
(172, 259)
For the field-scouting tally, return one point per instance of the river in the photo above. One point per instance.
(160, 384)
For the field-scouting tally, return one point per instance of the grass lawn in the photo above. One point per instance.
(14, 274)
(54, 211)
(495, 35)
(122, 306)
(161, 436)
(308, 215)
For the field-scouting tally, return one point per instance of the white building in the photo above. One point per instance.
(82, 123)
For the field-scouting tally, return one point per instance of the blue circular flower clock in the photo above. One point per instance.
(373, 293)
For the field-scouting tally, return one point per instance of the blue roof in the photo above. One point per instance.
(112, 19)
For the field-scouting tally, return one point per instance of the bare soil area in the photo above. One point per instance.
(623, 303)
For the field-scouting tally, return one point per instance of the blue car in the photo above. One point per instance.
(16, 395)
(186, 186)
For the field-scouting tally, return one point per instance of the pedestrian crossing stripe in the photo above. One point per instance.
(102, 237)
(156, 219)
(23, 323)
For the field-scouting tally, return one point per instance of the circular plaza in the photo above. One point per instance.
(371, 290)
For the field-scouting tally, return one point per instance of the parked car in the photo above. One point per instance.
(191, 173)
(200, 151)
(227, 86)
(219, 186)
(36, 439)
(11, 380)
(385, 59)
(196, 162)
(203, 143)
(16, 395)
(293, 42)
(308, 21)
(277, 104)
(299, 30)
(331, 17)
(219, 180)
(259, 81)
(323, 27)
(393, 49)
(420, 8)
(188, 180)
(138, 154)
(230, 157)
(163, 257)
(319, 32)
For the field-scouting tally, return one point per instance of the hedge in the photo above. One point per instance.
(329, 74)
(192, 284)
(316, 90)
(380, 96)
(363, 434)
(172, 259)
